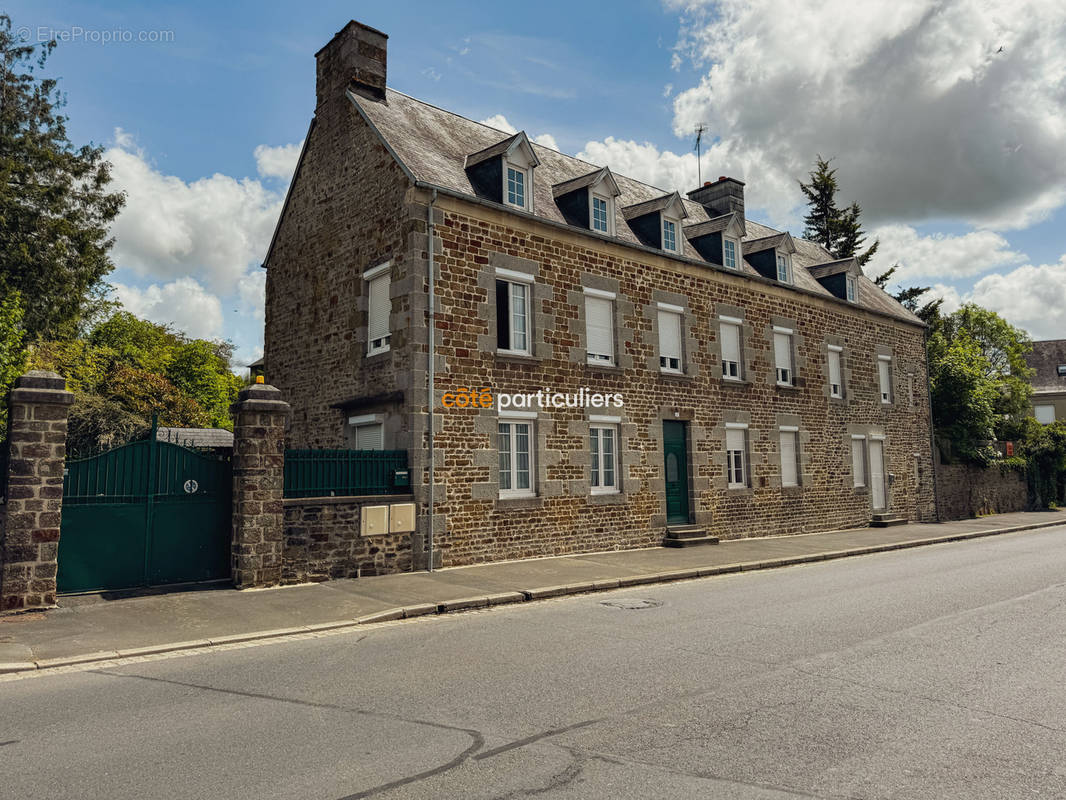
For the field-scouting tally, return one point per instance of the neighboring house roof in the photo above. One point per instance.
(434, 147)
(1045, 359)
(196, 437)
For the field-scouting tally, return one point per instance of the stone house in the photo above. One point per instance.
(1048, 360)
(748, 383)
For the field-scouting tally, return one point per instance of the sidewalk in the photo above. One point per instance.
(91, 628)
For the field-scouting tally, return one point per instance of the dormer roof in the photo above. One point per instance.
(596, 179)
(669, 204)
(727, 223)
(505, 148)
(824, 270)
(779, 241)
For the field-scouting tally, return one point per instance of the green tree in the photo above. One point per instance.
(126, 369)
(12, 351)
(979, 380)
(55, 210)
(838, 230)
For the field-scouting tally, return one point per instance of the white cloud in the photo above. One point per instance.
(948, 110)
(949, 294)
(645, 162)
(939, 255)
(500, 122)
(183, 303)
(251, 293)
(211, 229)
(277, 162)
(1030, 297)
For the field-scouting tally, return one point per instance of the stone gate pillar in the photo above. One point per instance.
(258, 472)
(33, 491)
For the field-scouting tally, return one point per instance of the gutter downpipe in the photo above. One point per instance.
(432, 365)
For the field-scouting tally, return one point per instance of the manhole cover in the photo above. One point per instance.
(631, 604)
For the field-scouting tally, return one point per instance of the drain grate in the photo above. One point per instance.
(631, 604)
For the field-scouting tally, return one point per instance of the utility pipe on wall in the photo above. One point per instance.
(432, 374)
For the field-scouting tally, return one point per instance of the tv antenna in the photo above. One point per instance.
(700, 128)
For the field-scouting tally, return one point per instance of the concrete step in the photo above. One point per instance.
(887, 521)
(687, 536)
(668, 542)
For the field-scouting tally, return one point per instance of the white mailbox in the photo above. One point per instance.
(375, 520)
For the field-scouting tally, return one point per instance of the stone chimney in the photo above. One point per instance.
(353, 59)
(723, 196)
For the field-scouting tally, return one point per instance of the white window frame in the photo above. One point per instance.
(600, 359)
(513, 420)
(739, 363)
(851, 289)
(1037, 409)
(525, 172)
(835, 352)
(736, 253)
(678, 313)
(382, 272)
(785, 261)
(676, 230)
(884, 379)
(367, 421)
(793, 432)
(859, 478)
(612, 425)
(789, 377)
(737, 465)
(513, 278)
(609, 202)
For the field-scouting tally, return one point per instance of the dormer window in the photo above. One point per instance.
(601, 214)
(730, 253)
(669, 235)
(503, 172)
(587, 201)
(657, 222)
(784, 270)
(516, 187)
(1062, 370)
(852, 293)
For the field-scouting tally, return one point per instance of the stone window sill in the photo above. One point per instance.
(735, 383)
(680, 377)
(607, 498)
(613, 369)
(517, 358)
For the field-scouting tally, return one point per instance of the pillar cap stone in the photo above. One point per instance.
(41, 386)
(260, 397)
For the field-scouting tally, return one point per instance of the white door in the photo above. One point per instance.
(877, 474)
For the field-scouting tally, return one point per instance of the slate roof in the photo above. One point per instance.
(590, 179)
(834, 267)
(1045, 359)
(196, 437)
(433, 145)
(710, 226)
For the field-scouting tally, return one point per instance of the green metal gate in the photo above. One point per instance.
(148, 513)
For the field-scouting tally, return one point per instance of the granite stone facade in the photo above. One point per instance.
(356, 204)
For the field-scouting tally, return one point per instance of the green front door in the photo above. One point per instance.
(675, 453)
(148, 513)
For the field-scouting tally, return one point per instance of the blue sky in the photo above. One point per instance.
(955, 151)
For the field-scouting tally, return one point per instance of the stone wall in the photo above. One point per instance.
(323, 540)
(965, 491)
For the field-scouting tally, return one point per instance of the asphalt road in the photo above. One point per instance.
(931, 673)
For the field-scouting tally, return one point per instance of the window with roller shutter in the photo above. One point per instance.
(731, 359)
(836, 383)
(670, 340)
(379, 309)
(789, 441)
(783, 357)
(599, 328)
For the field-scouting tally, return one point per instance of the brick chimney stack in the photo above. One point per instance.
(723, 196)
(353, 59)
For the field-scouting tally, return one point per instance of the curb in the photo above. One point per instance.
(506, 598)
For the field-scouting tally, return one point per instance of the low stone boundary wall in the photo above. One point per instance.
(322, 540)
(965, 491)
